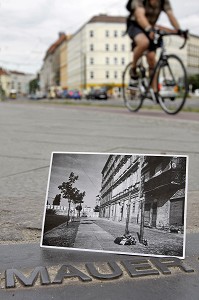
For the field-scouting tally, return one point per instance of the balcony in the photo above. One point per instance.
(168, 178)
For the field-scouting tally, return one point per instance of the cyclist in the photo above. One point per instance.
(141, 23)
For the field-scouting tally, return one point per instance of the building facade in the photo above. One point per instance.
(120, 188)
(51, 68)
(157, 182)
(98, 53)
(164, 191)
(15, 80)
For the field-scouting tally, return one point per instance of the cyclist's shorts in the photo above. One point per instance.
(134, 29)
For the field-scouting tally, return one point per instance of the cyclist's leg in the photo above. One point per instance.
(141, 45)
(141, 42)
(151, 59)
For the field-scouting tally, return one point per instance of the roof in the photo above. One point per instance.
(102, 18)
(17, 73)
(3, 72)
(55, 45)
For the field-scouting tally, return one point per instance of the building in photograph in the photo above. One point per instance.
(120, 190)
(98, 53)
(164, 190)
(157, 182)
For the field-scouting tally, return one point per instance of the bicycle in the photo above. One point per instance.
(172, 83)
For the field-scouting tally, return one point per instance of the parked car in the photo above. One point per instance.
(74, 94)
(13, 94)
(99, 94)
(167, 88)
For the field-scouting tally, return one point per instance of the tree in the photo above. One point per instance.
(33, 85)
(71, 193)
(193, 80)
(57, 200)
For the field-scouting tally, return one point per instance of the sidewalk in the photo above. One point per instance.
(92, 236)
(99, 234)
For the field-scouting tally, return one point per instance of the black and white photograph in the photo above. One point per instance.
(131, 204)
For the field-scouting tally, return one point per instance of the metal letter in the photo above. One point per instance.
(164, 263)
(116, 271)
(68, 271)
(138, 267)
(27, 281)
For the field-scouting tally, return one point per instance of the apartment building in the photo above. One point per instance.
(15, 80)
(51, 68)
(193, 55)
(121, 187)
(98, 53)
(164, 190)
(128, 181)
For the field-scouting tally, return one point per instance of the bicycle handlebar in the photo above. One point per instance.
(182, 33)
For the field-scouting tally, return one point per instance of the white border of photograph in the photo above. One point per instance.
(125, 207)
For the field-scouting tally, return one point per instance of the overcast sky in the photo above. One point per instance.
(29, 27)
(87, 166)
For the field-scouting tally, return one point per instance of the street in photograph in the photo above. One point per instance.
(127, 204)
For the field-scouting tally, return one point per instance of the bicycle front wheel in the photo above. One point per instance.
(172, 84)
(131, 91)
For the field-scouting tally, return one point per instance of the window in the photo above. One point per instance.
(115, 33)
(123, 47)
(133, 209)
(92, 61)
(107, 33)
(91, 33)
(115, 60)
(107, 74)
(91, 47)
(107, 47)
(123, 61)
(115, 75)
(115, 47)
(91, 74)
(107, 60)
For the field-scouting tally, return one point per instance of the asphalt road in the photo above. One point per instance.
(31, 130)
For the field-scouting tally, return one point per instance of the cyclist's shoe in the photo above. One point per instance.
(133, 74)
(157, 97)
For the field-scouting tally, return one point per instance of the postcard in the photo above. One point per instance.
(132, 204)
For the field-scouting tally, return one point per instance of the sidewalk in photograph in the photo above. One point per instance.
(100, 234)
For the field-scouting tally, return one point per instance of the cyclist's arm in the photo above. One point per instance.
(141, 18)
(172, 19)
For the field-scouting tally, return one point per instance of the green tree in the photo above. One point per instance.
(194, 81)
(33, 86)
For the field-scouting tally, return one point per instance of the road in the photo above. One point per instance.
(31, 130)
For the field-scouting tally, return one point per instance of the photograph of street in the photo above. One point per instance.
(122, 203)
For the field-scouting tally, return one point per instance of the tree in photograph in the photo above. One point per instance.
(57, 200)
(71, 193)
(79, 200)
(97, 208)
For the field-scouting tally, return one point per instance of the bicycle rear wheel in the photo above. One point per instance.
(172, 84)
(131, 92)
